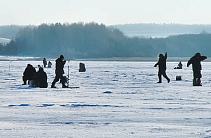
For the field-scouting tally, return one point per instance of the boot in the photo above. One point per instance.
(198, 82)
(160, 79)
(53, 85)
(64, 86)
(168, 80)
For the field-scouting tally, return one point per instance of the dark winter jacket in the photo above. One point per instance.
(60, 67)
(162, 62)
(41, 79)
(29, 72)
(196, 62)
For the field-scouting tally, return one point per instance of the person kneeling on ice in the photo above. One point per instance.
(59, 72)
(41, 78)
(196, 67)
(162, 67)
(28, 74)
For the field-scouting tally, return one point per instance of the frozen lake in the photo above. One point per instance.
(115, 99)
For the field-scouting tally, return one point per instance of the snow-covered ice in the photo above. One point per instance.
(115, 99)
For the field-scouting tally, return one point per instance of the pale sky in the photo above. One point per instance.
(108, 12)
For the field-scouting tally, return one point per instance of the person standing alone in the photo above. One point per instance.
(59, 72)
(196, 67)
(44, 62)
(162, 67)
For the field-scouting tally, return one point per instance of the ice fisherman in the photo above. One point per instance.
(41, 78)
(162, 67)
(196, 67)
(28, 74)
(44, 62)
(59, 72)
(49, 64)
(179, 66)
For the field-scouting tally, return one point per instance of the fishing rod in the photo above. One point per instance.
(68, 77)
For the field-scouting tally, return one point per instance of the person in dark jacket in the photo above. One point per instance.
(49, 64)
(44, 62)
(59, 72)
(28, 73)
(196, 67)
(41, 78)
(162, 67)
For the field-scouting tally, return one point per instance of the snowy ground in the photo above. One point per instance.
(115, 99)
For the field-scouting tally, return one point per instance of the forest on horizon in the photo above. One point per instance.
(161, 30)
(92, 40)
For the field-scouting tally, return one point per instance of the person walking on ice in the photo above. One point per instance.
(196, 67)
(162, 67)
(59, 72)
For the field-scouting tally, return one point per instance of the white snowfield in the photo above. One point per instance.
(115, 100)
(4, 40)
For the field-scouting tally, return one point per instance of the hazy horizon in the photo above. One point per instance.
(152, 23)
(109, 12)
(143, 30)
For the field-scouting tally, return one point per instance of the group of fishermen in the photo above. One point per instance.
(40, 77)
(196, 67)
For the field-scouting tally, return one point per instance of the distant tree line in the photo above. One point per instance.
(92, 40)
(152, 29)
